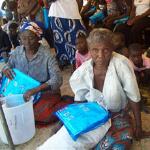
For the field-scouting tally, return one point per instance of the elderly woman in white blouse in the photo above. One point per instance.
(107, 77)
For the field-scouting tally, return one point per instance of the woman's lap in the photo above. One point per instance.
(138, 28)
(48, 104)
(119, 135)
(134, 33)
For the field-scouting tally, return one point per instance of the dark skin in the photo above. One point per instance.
(11, 5)
(136, 57)
(108, 21)
(101, 54)
(142, 76)
(31, 44)
(27, 8)
(81, 45)
(6, 48)
(80, 4)
(133, 18)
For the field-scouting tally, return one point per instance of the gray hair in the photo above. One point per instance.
(100, 35)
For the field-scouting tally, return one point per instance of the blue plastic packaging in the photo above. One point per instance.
(99, 16)
(83, 117)
(19, 85)
(122, 20)
(46, 18)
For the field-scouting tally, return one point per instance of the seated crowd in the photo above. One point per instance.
(104, 42)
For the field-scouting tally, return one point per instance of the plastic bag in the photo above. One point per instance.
(122, 20)
(46, 18)
(83, 117)
(19, 85)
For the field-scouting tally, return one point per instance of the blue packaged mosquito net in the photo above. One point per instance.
(83, 117)
(19, 85)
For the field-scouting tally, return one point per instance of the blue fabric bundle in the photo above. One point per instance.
(83, 117)
(19, 85)
(99, 16)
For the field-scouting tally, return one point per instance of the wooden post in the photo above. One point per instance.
(6, 129)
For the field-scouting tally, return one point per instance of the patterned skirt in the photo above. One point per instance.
(119, 136)
(45, 108)
(65, 32)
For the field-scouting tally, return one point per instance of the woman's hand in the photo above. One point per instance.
(9, 73)
(135, 106)
(29, 93)
(132, 21)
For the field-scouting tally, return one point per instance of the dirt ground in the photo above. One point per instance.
(43, 133)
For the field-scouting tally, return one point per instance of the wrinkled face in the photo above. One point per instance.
(136, 57)
(25, 6)
(101, 53)
(30, 40)
(81, 45)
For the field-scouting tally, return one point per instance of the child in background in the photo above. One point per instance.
(5, 45)
(82, 53)
(141, 64)
(13, 34)
(119, 42)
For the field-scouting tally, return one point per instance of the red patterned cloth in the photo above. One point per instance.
(119, 136)
(48, 104)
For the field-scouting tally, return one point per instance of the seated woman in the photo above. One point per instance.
(35, 60)
(32, 10)
(107, 77)
(93, 12)
(138, 21)
(117, 11)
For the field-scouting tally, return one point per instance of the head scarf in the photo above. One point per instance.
(34, 27)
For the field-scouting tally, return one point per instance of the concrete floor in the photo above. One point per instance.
(44, 133)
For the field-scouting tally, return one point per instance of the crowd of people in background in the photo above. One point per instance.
(71, 29)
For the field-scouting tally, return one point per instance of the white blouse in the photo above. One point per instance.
(141, 6)
(65, 9)
(119, 85)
